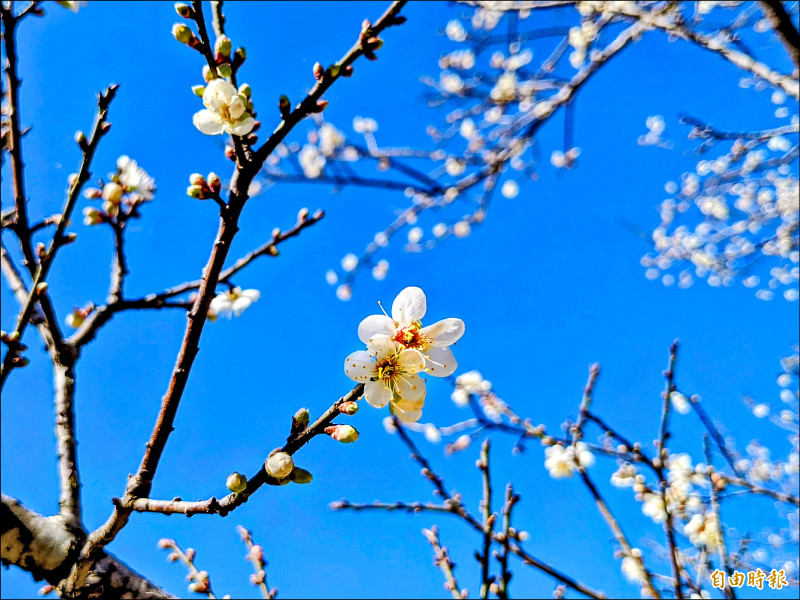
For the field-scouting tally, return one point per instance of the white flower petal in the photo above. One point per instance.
(441, 362)
(410, 387)
(252, 295)
(377, 394)
(218, 92)
(407, 416)
(409, 306)
(381, 346)
(207, 122)
(373, 325)
(242, 127)
(237, 107)
(412, 361)
(359, 366)
(445, 332)
(240, 305)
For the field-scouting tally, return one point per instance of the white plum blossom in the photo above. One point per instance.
(653, 507)
(703, 530)
(134, 179)
(680, 402)
(562, 462)
(225, 111)
(330, 139)
(632, 570)
(312, 161)
(390, 373)
(405, 328)
(232, 303)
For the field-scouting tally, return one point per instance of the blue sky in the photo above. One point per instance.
(548, 285)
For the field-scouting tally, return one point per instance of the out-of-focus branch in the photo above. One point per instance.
(444, 562)
(781, 23)
(488, 519)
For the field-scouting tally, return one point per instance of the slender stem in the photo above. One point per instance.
(488, 519)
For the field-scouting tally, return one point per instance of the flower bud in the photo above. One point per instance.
(208, 74)
(197, 179)
(300, 419)
(301, 476)
(321, 105)
(182, 33)
(245, 90)
(241, 55)
(319, 72)
(196, 191)
(279, 465)
(284, 106)
(349, 408)
(199, 90)
(41, 287)
(110, 208)
(92, 216)
(342, 433)
(184, 10)
(112, 192)
(222, 47)
(80, 138)
(165, 543)
(214, 182)
(237, 482)
(224, 70)
(92, 193)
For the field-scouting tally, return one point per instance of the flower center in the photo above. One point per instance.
(411, 336)
(225, 113)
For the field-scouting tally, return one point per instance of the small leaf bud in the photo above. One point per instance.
(208, 74)
(224, 70)
(245, 90)
(198, 90)
(301, 476)
(279, 465)
(236, 483)
(182, 33)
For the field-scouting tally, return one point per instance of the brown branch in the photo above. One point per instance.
(103, 314)
(225, 505)
(488, 519)
(59, 239)
(659, 464)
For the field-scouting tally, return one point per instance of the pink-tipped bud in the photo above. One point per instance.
(349, 408)
(319, 71)
(197, 179)
(190, 554)
(346, 434)
(165, 543)
(256, 554)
